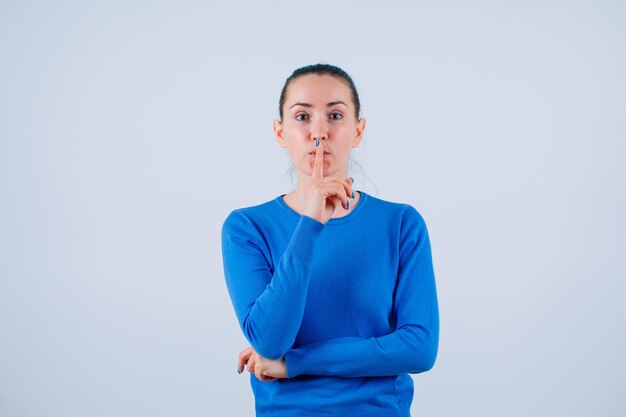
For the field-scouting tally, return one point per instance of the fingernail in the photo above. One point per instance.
(317, 143)
(239, 372)
(352, 180)
(347, 205)
(352, 194)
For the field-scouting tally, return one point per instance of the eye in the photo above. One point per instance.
(299, 118)
(339, 116)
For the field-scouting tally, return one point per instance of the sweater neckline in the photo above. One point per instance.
(333, 220)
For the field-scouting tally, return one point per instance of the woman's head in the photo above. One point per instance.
(319, 102)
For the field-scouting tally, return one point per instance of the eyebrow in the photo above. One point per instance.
(332, 103)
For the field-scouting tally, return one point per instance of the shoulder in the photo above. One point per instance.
(409, 226)
(404, 213)
(249, 221)
(251, 213)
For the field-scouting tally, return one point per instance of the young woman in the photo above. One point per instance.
(334, 289)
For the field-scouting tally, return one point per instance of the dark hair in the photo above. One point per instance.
(321, 69)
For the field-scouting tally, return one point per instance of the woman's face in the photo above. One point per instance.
(319, 107)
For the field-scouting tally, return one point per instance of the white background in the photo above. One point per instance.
(130, 129)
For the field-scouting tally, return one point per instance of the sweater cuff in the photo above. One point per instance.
(303, 238)
(293, 363)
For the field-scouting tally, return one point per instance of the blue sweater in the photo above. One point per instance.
(351, 305)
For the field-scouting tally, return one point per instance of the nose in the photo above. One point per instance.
(318, 137)
(319, 131)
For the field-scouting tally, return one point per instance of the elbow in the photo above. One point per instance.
(423, 352)
(267, 345)
(269, 350)
(425, 362)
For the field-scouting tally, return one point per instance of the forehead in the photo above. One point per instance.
(318, 90)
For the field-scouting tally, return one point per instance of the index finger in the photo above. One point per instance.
(318, 163)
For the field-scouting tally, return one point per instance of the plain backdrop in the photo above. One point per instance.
(130, 129)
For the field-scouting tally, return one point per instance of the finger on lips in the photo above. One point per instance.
(318, 164)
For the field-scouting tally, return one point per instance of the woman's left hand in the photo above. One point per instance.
(264, 369)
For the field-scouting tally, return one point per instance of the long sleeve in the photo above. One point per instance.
(412, 346)
(269, 306)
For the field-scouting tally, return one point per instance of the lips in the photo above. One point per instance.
(313, 153)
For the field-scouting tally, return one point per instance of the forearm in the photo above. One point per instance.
(411, 349)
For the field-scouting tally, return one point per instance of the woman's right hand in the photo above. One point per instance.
(264, 369)
(325, 193)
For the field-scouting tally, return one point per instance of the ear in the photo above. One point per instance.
(278, 131)
(360, 127)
